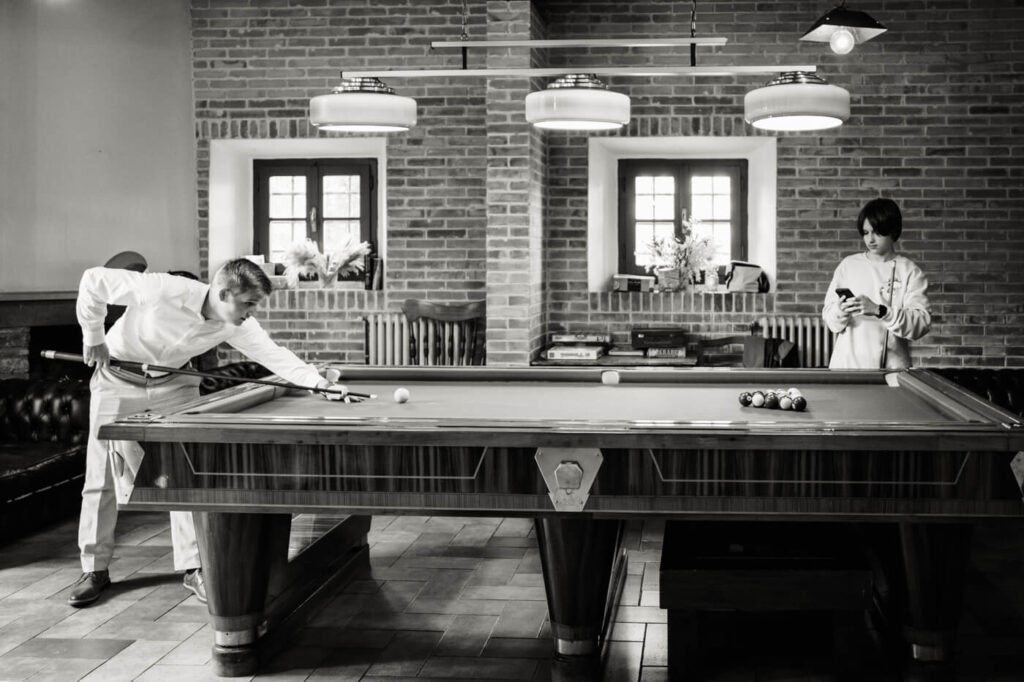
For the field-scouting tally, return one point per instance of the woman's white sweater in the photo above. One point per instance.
(901, 286)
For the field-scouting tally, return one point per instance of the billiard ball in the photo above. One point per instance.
(401, 395)
(771, 401)
(799, 403)
(757, 399)
(610, 377)
(785, 403)
(745, 399)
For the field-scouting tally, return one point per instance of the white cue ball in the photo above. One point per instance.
(610, 378)
(401, 395)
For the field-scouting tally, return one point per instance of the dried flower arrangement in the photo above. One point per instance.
(304, 258)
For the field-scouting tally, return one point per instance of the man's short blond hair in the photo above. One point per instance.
(241, 276)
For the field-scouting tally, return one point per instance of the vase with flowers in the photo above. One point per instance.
(304, 260)
(679, 261)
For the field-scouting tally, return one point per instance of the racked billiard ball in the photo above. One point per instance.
(745, 398)
(771, 401)
(757, 399)
(799, 403)
(785, 403)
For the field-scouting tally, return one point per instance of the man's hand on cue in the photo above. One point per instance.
(96, 356)
(337, 392)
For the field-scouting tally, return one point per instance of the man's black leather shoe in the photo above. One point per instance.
(194, 581)
(88, 588)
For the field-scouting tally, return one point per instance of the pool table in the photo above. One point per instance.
(579, 450)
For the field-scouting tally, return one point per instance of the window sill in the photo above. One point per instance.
(279, 282)
(696, 289)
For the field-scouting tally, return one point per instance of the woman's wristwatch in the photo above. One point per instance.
(883, 310)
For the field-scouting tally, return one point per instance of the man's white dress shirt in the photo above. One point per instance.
(164, 325)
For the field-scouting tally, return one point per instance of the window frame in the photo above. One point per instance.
(682, 169)
(315, 170)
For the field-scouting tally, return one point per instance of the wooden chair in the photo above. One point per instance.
(445, 333)
(747, 350)
(726, 351)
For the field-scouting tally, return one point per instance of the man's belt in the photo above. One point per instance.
(135, 375)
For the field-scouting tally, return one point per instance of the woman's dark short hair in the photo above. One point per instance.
(241, 276)
(884, 216)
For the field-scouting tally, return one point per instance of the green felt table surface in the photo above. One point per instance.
(501, 401)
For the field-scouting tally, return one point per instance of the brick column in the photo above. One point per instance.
(515, 196)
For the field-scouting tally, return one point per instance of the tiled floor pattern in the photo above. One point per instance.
(445, 599)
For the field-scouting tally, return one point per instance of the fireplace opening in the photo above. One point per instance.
(60, 337)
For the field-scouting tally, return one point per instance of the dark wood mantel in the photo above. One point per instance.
(37, 308)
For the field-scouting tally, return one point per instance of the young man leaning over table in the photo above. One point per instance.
(168, 320)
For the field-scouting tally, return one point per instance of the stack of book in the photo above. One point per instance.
(586, 346)
(667, 352)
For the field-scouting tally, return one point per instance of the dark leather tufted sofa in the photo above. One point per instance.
(44, 426)
(1003, 386)
(43, 430)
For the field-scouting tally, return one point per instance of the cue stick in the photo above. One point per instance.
(145, 368)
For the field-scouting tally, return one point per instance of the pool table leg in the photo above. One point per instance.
(935, 557)
(577, 556)
(238, 552)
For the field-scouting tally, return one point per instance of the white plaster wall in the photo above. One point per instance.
(97, 151)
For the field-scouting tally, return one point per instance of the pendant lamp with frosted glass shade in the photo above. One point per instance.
(362, 105)
(796, 101)
(577, 102)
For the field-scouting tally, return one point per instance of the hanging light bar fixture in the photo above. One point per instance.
(555, 72)
(843, 28)
(573, 101)
(363, 105)
(796, 101)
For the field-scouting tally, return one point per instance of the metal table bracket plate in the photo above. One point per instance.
(569, 473)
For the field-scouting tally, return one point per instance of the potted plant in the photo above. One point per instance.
(679, 261)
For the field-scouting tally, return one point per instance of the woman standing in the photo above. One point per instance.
(877, 301)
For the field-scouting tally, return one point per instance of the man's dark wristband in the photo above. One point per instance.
(883, 310)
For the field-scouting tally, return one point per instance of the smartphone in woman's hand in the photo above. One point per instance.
(843, 293)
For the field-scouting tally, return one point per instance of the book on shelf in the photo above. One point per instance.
(582, 337)
(577, 352)
(672, 352)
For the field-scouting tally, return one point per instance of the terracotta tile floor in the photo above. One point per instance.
(445, 599)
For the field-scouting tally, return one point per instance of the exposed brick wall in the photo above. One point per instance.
(515, 198)
(14, 352)
(935, 125)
